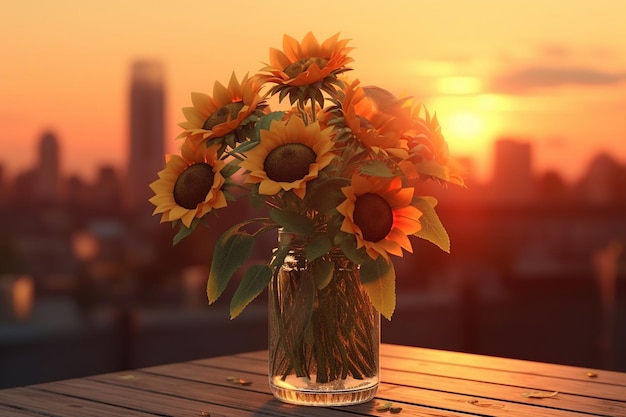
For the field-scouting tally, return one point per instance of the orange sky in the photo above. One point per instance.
(531, 69)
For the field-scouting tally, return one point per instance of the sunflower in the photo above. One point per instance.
(378, 212)
(374, 122)
(303, 69)
(190, 185)
(224, 112)
(427, 146)
(288, 156)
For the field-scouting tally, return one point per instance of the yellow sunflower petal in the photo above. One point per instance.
(389, 246)
(269, 187)
(401, 197)
(194, 118)
(234, 87)
(292, 48)
(401, 239)
(202, 103)
(279, 59)
(310, 46)
(221, 94)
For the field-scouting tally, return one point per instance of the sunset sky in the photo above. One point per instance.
(534, 70)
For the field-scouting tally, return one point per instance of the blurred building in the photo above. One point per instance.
(4, 189)
(604, 182)
(512, 173)
(47, 171)
(147, 139)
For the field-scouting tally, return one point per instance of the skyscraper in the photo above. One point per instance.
(512, 175)
(147, 141)
(47, 169)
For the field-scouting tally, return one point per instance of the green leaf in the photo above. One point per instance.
(323, 272)
(255, 280)
(327, 195)
(432, 228)
(184, 231)
(230, 140)
(433, 169)
(319, 97)
(279, 256)
(317, 247)
(379, 281)
(231, 251)
(265, 122)
(347, 243)
(230, 169)
(293, 222)
(256, 201)
(246, 146)
(214, 141)
(376, 169)
(281, 96)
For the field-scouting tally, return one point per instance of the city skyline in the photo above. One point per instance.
(125, 163)
(515, 182)
(488, 69)
(511, 144)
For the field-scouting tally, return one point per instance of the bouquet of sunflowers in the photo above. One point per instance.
(339, 168)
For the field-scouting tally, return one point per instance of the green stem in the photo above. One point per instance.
(330, 332)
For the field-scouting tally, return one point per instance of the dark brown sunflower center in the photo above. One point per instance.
(373, 215)
(221, 115)
(289, 162)
(292, 70)
(193, 184)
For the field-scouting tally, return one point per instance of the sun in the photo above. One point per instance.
(464, 126)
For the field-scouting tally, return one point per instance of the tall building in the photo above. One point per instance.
(147, 141)
(601, 183)
(512, 175)
(4, 194)
(47, 175)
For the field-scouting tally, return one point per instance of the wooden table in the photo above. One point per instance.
(422, 382)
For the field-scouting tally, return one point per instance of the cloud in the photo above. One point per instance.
(524, 80)
(555, 50)
(547, 65)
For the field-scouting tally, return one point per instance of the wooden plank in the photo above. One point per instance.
(486, 392)
(467, 404)
(469, 387)
(475, 381)
(48, 404)
(17, 412)
(417, 396)
(497, 363)
(255, 381)
(504, 377)
(234, 362)
(248, 397)
(148, 401)
(389, 351)
(471, 392)
(259, 355)
(424, 382)
(169, 405)
(214, 383)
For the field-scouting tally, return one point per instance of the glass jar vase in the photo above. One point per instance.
(324, 335)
